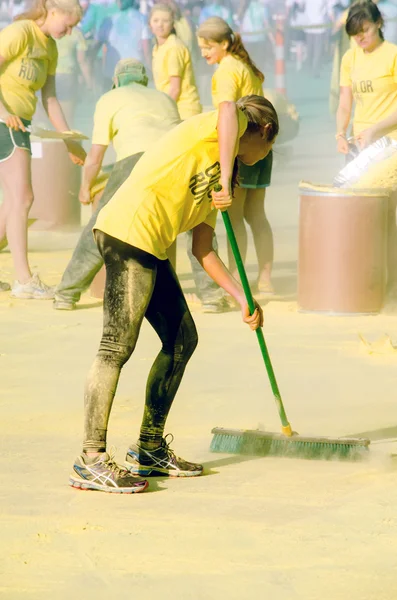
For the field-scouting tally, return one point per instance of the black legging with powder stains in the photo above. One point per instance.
(138, 285)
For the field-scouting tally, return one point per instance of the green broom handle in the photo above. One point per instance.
(286, 427)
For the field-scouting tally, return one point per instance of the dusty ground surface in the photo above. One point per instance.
(251, 527)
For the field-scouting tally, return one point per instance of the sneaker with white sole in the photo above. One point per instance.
(104, 475)
(34, 289)
(161, 461)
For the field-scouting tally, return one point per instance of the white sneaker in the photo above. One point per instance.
(34, 289)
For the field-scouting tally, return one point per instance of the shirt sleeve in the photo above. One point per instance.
(345, 69)
(224, 86)
(175, 64)
(13, 40)
(211, 219)
(102, 133)
(53, 59)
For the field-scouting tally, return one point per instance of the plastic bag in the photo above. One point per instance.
(367, 160)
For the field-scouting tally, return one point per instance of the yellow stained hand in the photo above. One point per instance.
(256, 319)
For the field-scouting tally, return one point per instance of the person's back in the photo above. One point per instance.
(138, 116)
(233, 80)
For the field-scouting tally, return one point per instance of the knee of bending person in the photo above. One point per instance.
(187, 339)
(116, 350)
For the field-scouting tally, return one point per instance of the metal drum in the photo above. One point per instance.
(56, 183)
(342, 249)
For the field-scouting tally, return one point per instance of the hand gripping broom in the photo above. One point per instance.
(286, 443)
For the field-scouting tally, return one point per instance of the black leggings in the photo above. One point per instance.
(137, 285)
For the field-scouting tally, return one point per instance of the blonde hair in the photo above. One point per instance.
(217, 30)
(162, 8)
(260, 113)
(41, 8)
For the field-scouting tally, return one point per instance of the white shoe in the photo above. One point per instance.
(34, 289)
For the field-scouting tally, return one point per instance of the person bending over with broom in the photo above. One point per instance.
(169, 191)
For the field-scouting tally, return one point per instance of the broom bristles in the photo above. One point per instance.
(259, 443)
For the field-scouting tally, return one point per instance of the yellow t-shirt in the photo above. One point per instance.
(373, 79)
(68, 47)
(232, 80)
(172, 59)
(169, 190)
(30, 57)
(133, 117)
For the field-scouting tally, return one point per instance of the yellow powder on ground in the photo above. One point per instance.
(358, 190)
(380, 175)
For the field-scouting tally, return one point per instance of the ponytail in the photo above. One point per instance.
(217, 30)
(260, 113)
(40, 9)
(237, 48)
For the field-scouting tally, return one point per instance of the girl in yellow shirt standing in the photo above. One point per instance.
(235, 77)
(28, 60)
(172, 64)
(368, 78)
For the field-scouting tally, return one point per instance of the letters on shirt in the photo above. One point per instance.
(201, 184)
(362, 87)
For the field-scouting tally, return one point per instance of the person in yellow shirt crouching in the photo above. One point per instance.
(169, 191)
(368, 78)
(172, 64)
(133, 118)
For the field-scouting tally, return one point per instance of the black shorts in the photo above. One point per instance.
(10, 139)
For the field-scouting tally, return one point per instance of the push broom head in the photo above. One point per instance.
(261, 443)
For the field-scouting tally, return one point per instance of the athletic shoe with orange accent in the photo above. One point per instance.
(162, 461)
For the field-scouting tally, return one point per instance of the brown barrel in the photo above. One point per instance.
(342, 250)
(56, 183)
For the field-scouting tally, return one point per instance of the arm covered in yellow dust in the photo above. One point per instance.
(228, 142)
(92, 167)
(373, 133)
(202, 249)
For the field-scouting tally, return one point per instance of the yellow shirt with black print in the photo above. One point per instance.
(169, 190)
(372, 76)
(232, 80)
(30, 57)
(172, 59)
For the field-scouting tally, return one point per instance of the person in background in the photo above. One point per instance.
(171, 64)
(388, 11)
(158, 201)
(173, 74)
(215, 8)
(72, 60)
(368, 77)
(28, 60)
(124, 34)
(133, 118)
(238, 76)
(296, 35)
(317, 12)
(256, 33)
